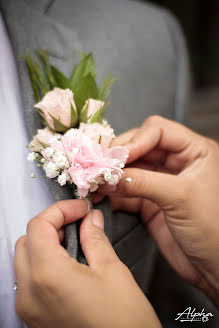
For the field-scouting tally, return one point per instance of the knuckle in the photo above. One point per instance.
(154, 120)
(41, 280)
(213, 144)
(20, 242)
(184, 193)
(31, 224)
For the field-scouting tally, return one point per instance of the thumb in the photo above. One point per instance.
(95, 244)
(160, 188)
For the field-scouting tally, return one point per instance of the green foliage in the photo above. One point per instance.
(85, 89)
(85, 67)
(104, 92)
(83, 115)
(59, 126)
(47, 68)
(32, 77)
(61, 80)
(74, 116)
(82, 81)
(97, 117)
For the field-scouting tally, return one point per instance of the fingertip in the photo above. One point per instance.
(93, 218)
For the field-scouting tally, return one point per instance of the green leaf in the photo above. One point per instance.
(86, 66)
(74, 117)
(42, 84)
(82, 55)
(59, 126)
(61, 80)
(97, 117)
(43, 144)
(83, 115)
(105, 91)
(30, 68)
(47, 67)
(85, 89)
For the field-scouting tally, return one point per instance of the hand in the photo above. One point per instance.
(175, 189)
(55, 290)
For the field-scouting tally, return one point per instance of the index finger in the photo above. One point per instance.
(42, 231)
(161, 133)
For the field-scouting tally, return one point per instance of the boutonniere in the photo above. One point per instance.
(74, 146)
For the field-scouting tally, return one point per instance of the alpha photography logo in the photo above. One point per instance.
(191, 315)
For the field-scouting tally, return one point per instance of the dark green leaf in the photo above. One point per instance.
(82, 69)
(61, 80)
(86, 88)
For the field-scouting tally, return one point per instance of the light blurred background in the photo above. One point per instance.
(199, 20)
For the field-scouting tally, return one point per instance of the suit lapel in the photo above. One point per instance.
(29, 28)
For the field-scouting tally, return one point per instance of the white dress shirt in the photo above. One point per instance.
(21, 197)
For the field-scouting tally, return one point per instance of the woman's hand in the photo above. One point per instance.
(175, 188)
(55, 290)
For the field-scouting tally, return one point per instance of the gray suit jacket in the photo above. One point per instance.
(139, 44)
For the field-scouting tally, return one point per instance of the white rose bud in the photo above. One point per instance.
(58, 109)
(92, 111)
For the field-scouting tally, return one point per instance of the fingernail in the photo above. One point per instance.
(97, 219)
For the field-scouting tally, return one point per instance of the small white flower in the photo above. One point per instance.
(43, 160)
(112, 179)
(121, 165)
(107, 175)
(31, 157)
(51, 170)
(32, 175)
(115, 179)
(62, 178)
(49, 151)
(128, 180)
(60, 160)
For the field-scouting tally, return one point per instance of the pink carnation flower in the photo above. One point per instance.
(99, 133)
(88, 162)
